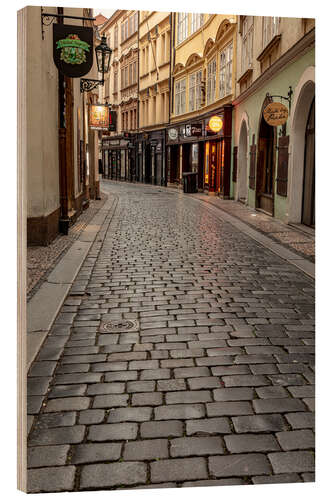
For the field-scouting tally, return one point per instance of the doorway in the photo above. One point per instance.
(265, 169)
(308, 204)
(242, 165)
(147, 160)
(212, 167)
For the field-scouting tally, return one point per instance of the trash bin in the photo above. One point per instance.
(190, 182)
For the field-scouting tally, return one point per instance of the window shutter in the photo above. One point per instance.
(234, 172)
(252, 176)
(282, 171)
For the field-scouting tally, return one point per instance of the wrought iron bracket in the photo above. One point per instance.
(290, 93)
(86, 84)
(48, 18)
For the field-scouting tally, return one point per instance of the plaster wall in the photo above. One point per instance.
(277, 85)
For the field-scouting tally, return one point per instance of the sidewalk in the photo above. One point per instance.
(58, 277)
(299, 240)
(42, 259)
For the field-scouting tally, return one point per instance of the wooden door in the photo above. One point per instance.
(308, 209)
(265, 169)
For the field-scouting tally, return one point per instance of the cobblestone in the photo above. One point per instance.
(215, 381)
(117, 474)
(239, 465)
(178, 469)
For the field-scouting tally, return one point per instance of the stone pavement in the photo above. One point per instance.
(42, 259)
(296, 237)
(183, 355)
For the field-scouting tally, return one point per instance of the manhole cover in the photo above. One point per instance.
(118, 326)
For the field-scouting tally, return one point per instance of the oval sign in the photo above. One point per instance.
(275, 114)
(215, 123)
(173, 133)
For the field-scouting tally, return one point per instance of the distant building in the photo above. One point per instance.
(99, 20)
(154, 92)
(121, 92)
(203, 86)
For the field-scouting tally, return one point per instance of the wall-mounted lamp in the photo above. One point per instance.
(103, 58)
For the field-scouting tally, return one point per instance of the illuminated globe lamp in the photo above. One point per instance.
(103, 58)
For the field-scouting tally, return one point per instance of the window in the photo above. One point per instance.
(126, 77)
(115, 34)
(131, 26)
(270, 29)
(135, 77)
(180, 97)
(195, 91)
(182, 26)
(115, 82)
(247, 43)
(211, 81)
(107, 87)
(130, 74)
(136, 16)
(122, 32)
(225, 71)
(197, 22)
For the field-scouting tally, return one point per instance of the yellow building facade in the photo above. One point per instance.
(154, 94)
(203, 85)
(120, 91)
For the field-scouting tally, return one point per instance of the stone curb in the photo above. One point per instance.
(45, 304)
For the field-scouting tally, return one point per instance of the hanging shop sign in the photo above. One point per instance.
(188, 130)
(73, 49)
(173, 134)
(98, 117)
(215, 124)
(196, 129)
(112, 121)
(275, 114)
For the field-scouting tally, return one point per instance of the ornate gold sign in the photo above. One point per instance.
(275, 114)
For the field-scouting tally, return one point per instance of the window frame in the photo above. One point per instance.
(182, 27)
(195, 89)
(211, 82)
(180, 96)
(225, 73)
(247, 43)
(270, 28)
(197, 21)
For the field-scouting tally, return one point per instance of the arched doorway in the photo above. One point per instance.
(308, 204)
(242, 164)
(265, 167)
(303, 99)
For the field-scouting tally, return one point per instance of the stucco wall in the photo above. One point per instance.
(42, 118)
(278, 85)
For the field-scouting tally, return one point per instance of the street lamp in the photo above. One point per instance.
(103, 58)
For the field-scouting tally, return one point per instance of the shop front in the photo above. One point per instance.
(118, 161)
(203, 147)
(150, 157)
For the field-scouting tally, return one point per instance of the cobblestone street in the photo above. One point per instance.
(183, 355)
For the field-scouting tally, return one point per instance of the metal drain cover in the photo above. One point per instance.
(118, 326)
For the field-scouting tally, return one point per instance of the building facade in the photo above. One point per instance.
(203, 87)
(121, 92)
(154, 92)
(273, 167)
(60, 153)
